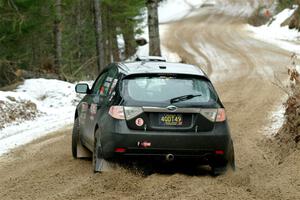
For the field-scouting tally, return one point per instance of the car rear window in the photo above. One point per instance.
(165, 88)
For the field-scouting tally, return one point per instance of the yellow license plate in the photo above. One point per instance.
(170, 120)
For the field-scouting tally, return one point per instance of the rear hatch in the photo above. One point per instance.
(169, 103)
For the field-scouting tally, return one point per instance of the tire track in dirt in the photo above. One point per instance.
(45, 168)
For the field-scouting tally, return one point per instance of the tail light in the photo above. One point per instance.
(117, 112)
(221, 116)
(214, 115)
(120, 112)
(209, 114)
(132, 112)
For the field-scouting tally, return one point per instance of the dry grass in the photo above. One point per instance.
(290, 132)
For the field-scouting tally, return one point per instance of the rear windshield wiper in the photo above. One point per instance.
(184, 98)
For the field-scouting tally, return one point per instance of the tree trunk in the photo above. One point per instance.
(129, 40)
(154, 39)
(57, 36)
(98, 34)
(105, 34)
(115, 47)
(79, 28)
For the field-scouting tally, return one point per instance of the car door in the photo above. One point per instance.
(92, 102)
(99, 100)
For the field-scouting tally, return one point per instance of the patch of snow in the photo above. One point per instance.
(172, 10)
(274, 33)
(55, 99)
(277, 118)
(241, 8)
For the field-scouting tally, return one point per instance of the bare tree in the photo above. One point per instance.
(98, 34)
(57, 35)
(79, 29)
(154, 39)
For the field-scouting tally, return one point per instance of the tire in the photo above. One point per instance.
(220, 170)
(98, 161)
(75, 138)
(218, 166)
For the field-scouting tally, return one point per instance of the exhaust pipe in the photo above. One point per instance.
(170, 157)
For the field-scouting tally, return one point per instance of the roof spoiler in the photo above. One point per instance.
(151, 58)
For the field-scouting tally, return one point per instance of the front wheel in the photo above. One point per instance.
(98, 160)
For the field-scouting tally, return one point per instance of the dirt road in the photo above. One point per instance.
(242, 69)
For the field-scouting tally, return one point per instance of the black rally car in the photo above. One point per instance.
(152, 109)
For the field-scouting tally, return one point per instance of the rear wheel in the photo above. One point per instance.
(98, 161)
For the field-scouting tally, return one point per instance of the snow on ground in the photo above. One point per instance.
(172, 10)
(277, 118)
(274, 33)
(54, 99)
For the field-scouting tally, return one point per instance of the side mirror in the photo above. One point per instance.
(82, 88)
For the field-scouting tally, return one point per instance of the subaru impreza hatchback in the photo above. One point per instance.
(152, 109)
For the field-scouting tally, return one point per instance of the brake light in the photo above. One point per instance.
(221, 116)
(219, 152)
(120, 150)
(116, 112)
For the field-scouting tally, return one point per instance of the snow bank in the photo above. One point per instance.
(54, 99)
(274, 33)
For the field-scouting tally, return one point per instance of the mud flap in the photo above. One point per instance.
(98, 165)
(98, 161)
(83, 152)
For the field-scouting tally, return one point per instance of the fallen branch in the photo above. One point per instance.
(88, 62)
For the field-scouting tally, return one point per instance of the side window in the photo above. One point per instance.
(111, 81)
(99, 82)
(105, 83)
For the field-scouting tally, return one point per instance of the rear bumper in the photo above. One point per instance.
(201, 145)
